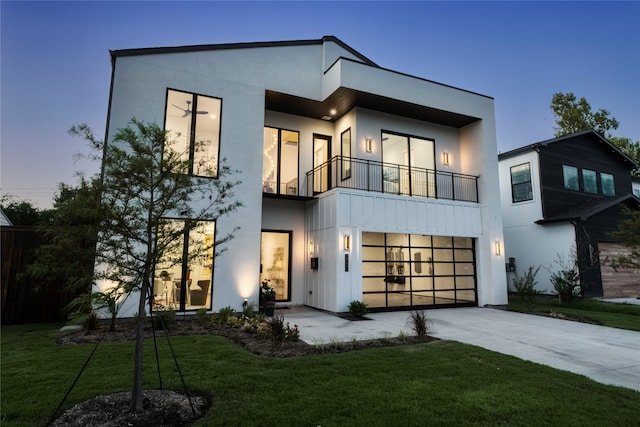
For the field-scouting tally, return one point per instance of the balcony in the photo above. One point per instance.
(370, 175)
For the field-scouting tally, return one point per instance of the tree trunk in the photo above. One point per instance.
(136, 390)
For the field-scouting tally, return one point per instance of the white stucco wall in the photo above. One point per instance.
(531, 244)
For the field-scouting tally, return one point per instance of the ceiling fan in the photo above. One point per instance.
(188, 111)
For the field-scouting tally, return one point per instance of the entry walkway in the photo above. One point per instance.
(606, 355)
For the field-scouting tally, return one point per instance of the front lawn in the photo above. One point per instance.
(623, 316)
(438, 383)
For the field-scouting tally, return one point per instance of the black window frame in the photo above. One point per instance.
(519, 184)
(192, 138)
(279, 162)
(564, 177)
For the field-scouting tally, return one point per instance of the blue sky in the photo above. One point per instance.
(55, 64)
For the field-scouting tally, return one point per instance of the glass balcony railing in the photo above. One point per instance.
(369, 175)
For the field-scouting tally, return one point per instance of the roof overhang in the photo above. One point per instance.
(344, 100)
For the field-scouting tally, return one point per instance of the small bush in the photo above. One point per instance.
(276, 330)
(248, 310)
(419, 323)
(358, 308)
(202, 317)
(164, 319)
(525, 286)
(224, 314)
(566, 284)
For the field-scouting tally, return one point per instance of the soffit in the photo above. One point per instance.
(344, 100)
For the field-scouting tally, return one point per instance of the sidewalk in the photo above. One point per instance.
(606, 355)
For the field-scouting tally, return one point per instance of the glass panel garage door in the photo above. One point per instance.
(402, 270)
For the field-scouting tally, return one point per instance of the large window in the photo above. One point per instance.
(280, 161)
(183, 278)
(521, 183)
(402, 270)
(608, 184)
(570, 176)
(590, 181)
(409, 165)
(194, 122)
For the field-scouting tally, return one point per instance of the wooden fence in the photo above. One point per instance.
(21, 302)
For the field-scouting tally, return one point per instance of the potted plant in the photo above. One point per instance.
(267, 298)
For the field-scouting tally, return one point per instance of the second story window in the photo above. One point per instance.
(608, 184)
(345, 151)
(521, 189)
(195, 124)
(570, 175)
(280, 161)
(590, 181)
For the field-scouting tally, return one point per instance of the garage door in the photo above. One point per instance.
(619, 283)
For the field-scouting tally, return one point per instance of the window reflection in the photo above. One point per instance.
(403, 270)
(194, 122)
(183, 277)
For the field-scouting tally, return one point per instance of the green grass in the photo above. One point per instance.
(440, 383)
(623, 316)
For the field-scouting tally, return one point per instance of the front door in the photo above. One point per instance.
(275, 262)
(321, 166)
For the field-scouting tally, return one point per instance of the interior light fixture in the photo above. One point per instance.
(310, 248)
(347, 242)
(498, 248)
(445, 158)
(368, 145)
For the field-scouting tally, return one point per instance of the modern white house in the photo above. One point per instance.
(358, 182)
(561, 202)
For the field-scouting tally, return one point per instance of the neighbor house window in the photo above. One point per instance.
(345, 148)
(183, 277)
(570, 175)
(194, 122)
(608, 184)
(521, 183)
(589, 181)
(280, 161)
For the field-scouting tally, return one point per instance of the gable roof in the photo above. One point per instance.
(4, 219)
(587, 210)
(590, 132)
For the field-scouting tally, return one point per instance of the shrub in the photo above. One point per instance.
(566, 284)
(525, 286)
(419, 323)
(202, 317)
(248, 310)
(164, 319)
(358, 308)
(276, 330)
(292, 334)
(224, 314)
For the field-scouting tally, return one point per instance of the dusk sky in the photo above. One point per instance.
(56, 70)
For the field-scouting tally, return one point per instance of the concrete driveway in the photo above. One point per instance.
(606, 355)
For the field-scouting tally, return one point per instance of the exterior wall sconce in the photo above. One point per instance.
(445, 158)
(368, 145)
(245, 303)
(347, 242)
(498, 248)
